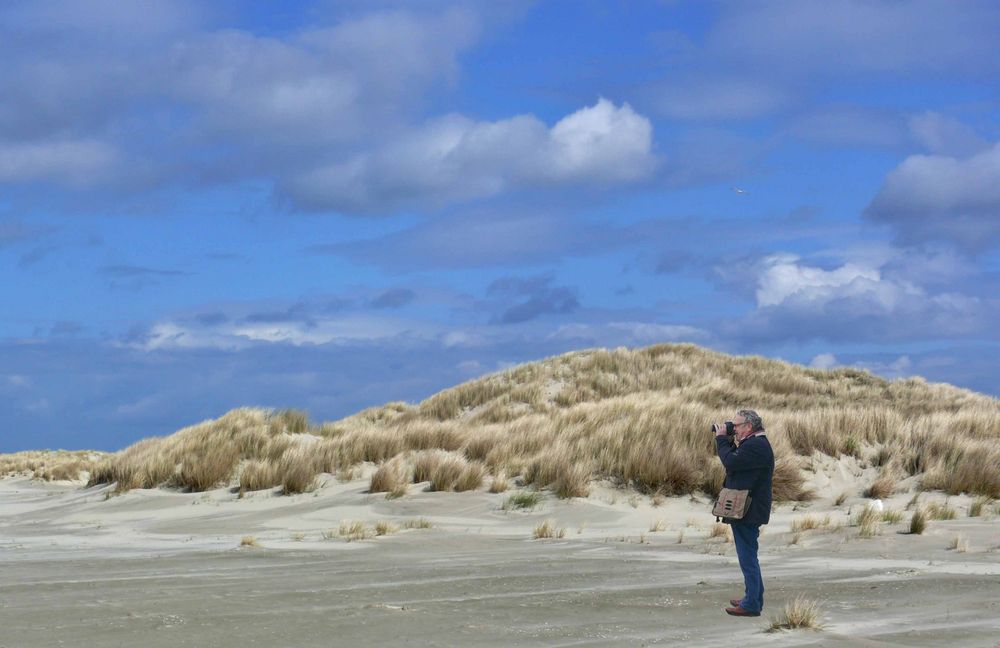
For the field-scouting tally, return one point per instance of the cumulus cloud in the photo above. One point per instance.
(785, 279)
(853, 302)
(823, 361)
(138, 95)
(454, 158)
(933, 197)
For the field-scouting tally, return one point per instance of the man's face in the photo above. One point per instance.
(741, 427)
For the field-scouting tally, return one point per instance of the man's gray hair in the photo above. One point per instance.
(753, 418)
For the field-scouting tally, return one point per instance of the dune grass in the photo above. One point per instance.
(978, 505)
(50, 465)
(810, 522)
(635, 418)
(918, 522)
(799, 614)
(869, 522)
(548, 529)
(522, 500)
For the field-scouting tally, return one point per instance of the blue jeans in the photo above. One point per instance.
(745, 537)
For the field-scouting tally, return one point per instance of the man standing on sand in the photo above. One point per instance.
(749, 463)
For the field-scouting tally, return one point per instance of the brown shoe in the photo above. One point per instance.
(738, 611)
(735, 602)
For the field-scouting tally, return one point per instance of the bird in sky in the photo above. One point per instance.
(739, 191)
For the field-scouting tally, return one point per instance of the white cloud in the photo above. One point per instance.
(784, 278)
(854, 301)
(455, 158)
(348, 328)
(824, 361)
(929, 197)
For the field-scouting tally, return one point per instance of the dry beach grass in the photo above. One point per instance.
(637, 418)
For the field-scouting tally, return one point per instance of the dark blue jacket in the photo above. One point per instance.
(749, 467)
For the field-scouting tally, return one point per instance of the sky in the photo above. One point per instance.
(332, 205)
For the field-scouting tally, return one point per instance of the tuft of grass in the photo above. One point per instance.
(918, 522)
(499, 483)
(258, 475)
(392, 478)
(892, 516)
(657, 525)
(796, 538)
(809, 522)
(249, 541)
(721, 530)
(680, 537)
(799, 614)
(959, 544)
(419, 523)
(384, 528)
(882, 487)
(977, 505)
(297, 471)
(547, 529)
(525, 500)
(869, 522)
(355, 531)
(205, 472)
(298, 537)
(840, 499)
(936, 511)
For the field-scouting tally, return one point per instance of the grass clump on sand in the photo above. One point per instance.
(721, 530)
(800, 613)
(959, 543)
(810, 522)
(936, 511)
(918, 522)
(869, 522)
(977, 506)
(547, 529)
(383, 527)
(249, 541)
(882, 487)
(391, 478)
(522, 501)
(419, 523)
(355, 531)
(892, 516)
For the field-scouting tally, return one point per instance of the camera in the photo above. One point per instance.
(730, 428)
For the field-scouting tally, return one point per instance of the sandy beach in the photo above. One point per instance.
(164, 568)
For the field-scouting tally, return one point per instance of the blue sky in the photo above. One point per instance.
(332, 205)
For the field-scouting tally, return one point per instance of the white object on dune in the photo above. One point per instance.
(876, 504)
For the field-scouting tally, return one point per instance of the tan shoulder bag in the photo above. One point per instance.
(731, 503)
